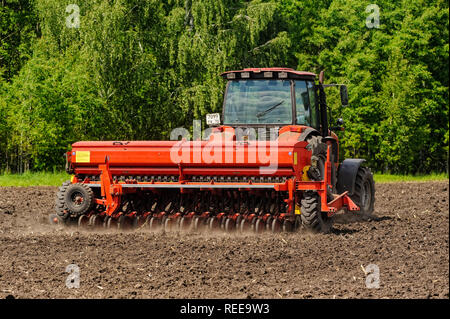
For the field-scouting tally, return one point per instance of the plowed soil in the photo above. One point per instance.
(408, 240)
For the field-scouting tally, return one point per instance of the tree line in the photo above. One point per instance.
(135, 69)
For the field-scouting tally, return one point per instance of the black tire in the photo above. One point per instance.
(316, 146)
(319, 151)
(312, 216)
(79, 198)
(364, 193)
(60, 204)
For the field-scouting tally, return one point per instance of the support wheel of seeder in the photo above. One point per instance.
(60, 204)
(312, 217)
(78, 198)
(364, 194)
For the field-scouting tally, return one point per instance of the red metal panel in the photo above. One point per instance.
(202, 157)
(212, 171)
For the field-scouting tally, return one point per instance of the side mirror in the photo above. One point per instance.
(321, 76)
(344, 95)
(339, 125)
(213, 119)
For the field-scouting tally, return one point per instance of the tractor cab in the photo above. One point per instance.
(271, 97)
(275, 97)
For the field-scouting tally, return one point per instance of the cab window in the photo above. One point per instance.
(258, 102)
(305, 100)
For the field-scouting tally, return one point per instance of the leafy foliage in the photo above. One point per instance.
(136, 69)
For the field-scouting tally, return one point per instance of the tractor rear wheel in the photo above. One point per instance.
(364, 193)
(311, 214)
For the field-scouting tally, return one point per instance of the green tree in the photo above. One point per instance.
(398, 114)
(18, 29)
(136, 69)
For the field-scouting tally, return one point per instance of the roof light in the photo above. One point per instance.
(282, 75)
(245, 75)
(231, 76)
(268, 74)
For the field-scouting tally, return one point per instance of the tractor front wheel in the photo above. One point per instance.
(312, 216)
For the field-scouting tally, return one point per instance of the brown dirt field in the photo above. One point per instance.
(408, 240)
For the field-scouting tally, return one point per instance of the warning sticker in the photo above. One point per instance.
(82, 156)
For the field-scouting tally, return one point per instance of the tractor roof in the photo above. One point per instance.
(259, 73)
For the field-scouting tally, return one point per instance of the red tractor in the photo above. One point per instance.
(273, 165)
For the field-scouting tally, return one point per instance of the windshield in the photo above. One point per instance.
(258, 102)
